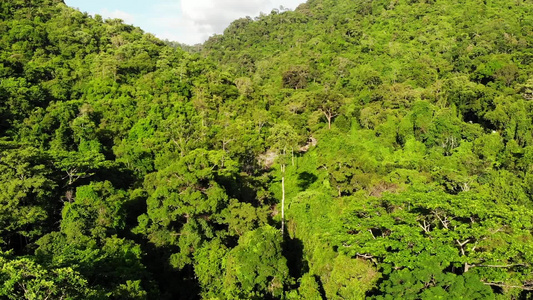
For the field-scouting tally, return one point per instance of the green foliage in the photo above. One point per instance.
(244, 217)
(418, 234)
(23, 278)
(132, 168)
(112, 266)
(97, 211)
(256, 267)
(209, 267)
(309, 289)
(350, 278)
(429, 282)
(186, 189)
(26, 186)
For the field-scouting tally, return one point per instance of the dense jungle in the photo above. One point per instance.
(347, 149)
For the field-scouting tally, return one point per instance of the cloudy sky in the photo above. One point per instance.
(185, 21)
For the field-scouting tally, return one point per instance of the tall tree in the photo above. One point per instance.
(283, 138)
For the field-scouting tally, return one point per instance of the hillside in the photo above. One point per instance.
(343, 150)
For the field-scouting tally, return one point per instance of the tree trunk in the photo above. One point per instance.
(282, 200)
(328, 116)
(292, 156)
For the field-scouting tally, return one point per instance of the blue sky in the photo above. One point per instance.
(185, 21)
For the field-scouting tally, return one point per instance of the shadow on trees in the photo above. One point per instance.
(293, 250)
(245, 188)
(305, 179)
(119, 176)
(171, 283)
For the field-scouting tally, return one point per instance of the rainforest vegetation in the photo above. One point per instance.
(348, 149)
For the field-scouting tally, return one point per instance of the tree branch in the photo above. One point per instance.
(500, 266)
(503, 285)
(444, 222)
(365, 256)
(425, 227)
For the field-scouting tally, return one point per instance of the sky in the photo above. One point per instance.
(184, 21)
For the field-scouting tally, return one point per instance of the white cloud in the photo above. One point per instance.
(185, 21)
(203, 18)
(118, 14)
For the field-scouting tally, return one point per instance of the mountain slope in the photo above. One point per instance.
(429, 101)
(398, 135)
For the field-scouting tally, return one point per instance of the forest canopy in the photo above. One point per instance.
(344, 150)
